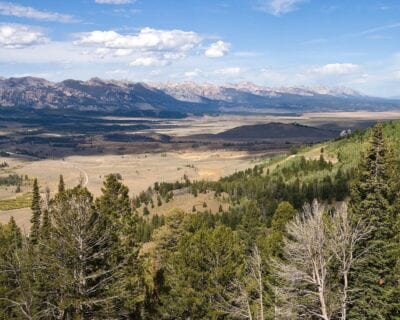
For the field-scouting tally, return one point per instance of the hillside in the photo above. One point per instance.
(272, 131)
(276, 130)
(321, 171)
(184, 98)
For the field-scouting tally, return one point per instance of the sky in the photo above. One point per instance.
(350, 43)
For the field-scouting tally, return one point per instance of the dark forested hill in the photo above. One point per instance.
(276, 130)
(273, 130)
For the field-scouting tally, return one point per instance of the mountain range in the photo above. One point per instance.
(183, 98)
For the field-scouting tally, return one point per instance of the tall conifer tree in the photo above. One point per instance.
(61, 184)
(372, 202)
(116, 205)
(36, 213)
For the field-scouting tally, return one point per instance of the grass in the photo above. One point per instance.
(346, 152)
(21, 201)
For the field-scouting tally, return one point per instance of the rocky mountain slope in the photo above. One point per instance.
(184, 98)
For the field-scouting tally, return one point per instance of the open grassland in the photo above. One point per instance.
(139, 171)
(20, 201)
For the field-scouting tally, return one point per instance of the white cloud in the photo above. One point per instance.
(337, 68)
(114, 1)
(232, 71)
(148, 47)
(146, 39)
(194, 73)
(279, 7)
(363, 78)
(148, 62)
(218, 49)
(16, 10)
(14, 36)
(97, 37)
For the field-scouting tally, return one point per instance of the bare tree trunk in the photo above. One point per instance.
(344, 298)
(257, 267)
(237, 300)
(307, 258)
(324, 312)
(343, 239)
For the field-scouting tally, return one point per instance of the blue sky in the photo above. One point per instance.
(269, 42)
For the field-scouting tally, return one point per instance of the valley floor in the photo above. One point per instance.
(139, 171)
(141, 167)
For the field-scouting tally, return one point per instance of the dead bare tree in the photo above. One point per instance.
(21, 268)
(235, 301)
(315, 243)
(244, 299)
(344, 237)
(255, 267)
(305, 271)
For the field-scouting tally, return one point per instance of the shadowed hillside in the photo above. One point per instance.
(273, 130)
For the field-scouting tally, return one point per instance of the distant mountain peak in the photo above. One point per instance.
(192, 91)
(186, 97)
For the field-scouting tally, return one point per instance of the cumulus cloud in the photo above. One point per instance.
(232, 71)
(337, 68)
(114, 1)
(146, 39)
(14, 36)
(149, 62)
(151, 47)
(193, 73)
(97, 37)
(218, 49)
(279, 7)
(16, 10)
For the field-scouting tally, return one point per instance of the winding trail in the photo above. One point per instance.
(82, 171)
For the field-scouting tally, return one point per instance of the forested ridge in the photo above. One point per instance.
(305, 237)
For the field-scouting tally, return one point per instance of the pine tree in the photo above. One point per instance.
(159, 202)
(204, 263)
(394, 295)
(372, 202)
(273, 243)
(271, 248)
(36, 213)
(15, 233)
(78, 257)
(61, 184)
(115, 205)
(114, 201)
(45, 228)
